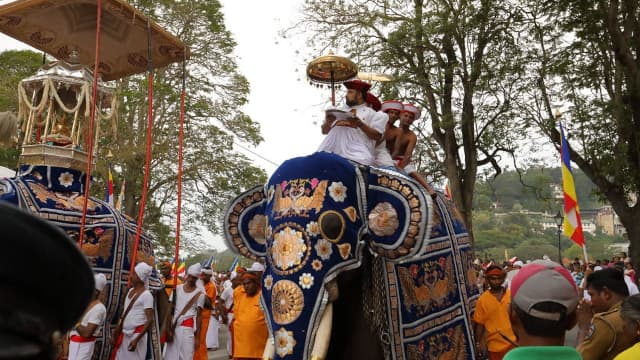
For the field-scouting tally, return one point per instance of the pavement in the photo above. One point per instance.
(221, 353)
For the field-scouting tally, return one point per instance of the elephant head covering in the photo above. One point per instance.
(143, 270)
(194, 270)
(100, 281)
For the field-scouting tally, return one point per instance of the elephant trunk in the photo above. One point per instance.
(323, 335)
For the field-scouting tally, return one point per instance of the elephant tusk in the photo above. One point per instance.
(323, 336)
(269, 350)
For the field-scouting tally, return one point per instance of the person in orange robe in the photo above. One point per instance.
(170, 282)
(249, 325)
(211, 292)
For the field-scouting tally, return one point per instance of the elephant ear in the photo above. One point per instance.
(245, 224)
(398, 215)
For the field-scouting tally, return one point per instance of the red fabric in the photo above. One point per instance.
(81, 339)
(188, 323)
(357, 85)
(374, 102)
(118, 343)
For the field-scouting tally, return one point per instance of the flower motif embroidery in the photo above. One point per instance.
(288, 248)
(383, 219)
(66, 179)
(316, 265)
(338, 191)
(257, 227)
(284, 342)
(305, 281)
(324, 249)
(268, 282)
(313, 229)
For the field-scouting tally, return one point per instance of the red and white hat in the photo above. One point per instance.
(544, 281)
(357, 85)
(392, 105)
(412, 109)
(373, 101)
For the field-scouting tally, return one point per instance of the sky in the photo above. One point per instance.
(287, 108)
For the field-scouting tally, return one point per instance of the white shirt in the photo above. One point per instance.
(136, 315)
(351, 143)
(227, 297)
(96, 316)
(182, 298)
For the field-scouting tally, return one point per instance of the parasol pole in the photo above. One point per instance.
(333, 87)
(147, 163)
(92, 118)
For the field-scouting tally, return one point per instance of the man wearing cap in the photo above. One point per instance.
(131, 343)
(405, 141)
(601, 335)
(34, 313)
(170, 282)
(384, 146)
(543, 307)
(492, 326)
(82, 338)
(210, 294)
(187, 318)
(249, 325)
(355, 138)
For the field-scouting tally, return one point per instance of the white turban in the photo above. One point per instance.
(100, 281)
(233, 275)
(256, 267)
(194, 270)
(207, 271)
(143, 270)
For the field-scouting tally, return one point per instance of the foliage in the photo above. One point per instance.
(587, 58)
(455, 59)
(15, 65)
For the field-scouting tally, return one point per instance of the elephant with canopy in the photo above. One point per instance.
(360, 263)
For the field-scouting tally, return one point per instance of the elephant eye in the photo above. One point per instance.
(332, 225)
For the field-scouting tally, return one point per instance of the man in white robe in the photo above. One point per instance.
(82, 339)
(186, 318)
(132, 344)
(354, 138)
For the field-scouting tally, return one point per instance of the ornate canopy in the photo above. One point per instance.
(62, 27)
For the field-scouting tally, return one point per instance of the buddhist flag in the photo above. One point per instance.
(120, 201)
(572, 223)
(209, 263)
(109, 193)
(234, 264)
(180, 270)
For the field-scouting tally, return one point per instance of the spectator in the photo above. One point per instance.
(601, 335)
(517, 265)
(492, 326)
(543, 308)
(628, 270)
(576, 273)
(630, 311)
(633, 288)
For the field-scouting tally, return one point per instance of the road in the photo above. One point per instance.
(221, 353)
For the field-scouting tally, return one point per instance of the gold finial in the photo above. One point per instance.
(557, 113)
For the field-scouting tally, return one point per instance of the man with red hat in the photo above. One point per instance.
(391, 109)
(354, 138)
(405, 141)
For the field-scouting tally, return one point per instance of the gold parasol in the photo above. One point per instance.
(331, 69)
(62, 27)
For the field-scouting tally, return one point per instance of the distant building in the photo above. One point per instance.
(609, 222)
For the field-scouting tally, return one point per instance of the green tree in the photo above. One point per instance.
(587, 58)
(455, 59)
(15, 65)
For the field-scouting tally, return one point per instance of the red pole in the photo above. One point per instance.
(147, 164)
(92, 119)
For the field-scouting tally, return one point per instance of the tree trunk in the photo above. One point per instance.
(630, 219)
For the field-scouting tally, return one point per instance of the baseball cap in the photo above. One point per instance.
(544, 281)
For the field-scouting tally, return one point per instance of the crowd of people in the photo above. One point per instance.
(526, 309)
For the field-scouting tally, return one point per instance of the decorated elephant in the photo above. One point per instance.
(360, 263)
(57, 194)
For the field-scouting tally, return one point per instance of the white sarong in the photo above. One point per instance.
(182, 347)
(212, 333)
(81, 350)
(140, 352)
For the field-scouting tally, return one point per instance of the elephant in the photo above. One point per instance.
(57, 194)
(361, 263)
